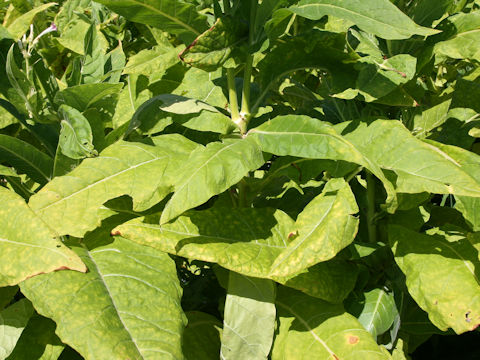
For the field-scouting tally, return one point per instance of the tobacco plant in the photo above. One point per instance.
(276, 179)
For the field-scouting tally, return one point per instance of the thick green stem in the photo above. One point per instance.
(242, 193)
(372, 228)
(232, 97)
(247, 78)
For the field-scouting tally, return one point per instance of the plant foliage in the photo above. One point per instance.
(201, 179)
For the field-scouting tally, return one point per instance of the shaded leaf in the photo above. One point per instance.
(303, 136)
(129, 300)
(379, 17)
(153, 62)
(469, 206)
(13, 321)
(6, 295)
(26, 238)
(378, 313)
(38, 341)
(442, 276)
(249, 320)
(26, 158)
(311, 328)
(201, 339)
(322, 229)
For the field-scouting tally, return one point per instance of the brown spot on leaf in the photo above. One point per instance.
(435, 302)
(292, 235)
(352, 339)
(116, 233)
(467, 319)
(335, 357)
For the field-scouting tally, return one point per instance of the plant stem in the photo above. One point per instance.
(372, 228)
(232, 97)
(242, 193)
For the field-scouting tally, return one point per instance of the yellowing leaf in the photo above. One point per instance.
(27, 246)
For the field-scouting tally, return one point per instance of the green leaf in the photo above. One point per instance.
(378, 77)
(201, 339)
(217, 235)
(72, 35)
(153, 62)
(6, 295)
(26, 240)
(21, 24)
(26, 158)
(426, 120)
(316, 49)
(129, 301)
(210, 171)
(378, 312)
(95, 48)
(134, 94)
(76, 134)
(38, 341)
(249, 320)
(13, 321)
(215, 46)
(331, 280)
(379, 17)
(89, 96)
(70, 203)
(462, 42)
(390, 145)
(469, 206)
(313, 329)
(442, 276)
(174, 16)
(325, 226)
(303, 136)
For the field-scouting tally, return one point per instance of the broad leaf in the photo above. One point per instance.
(426, 120)
(390, 145)
(442, 276)
(175, 16)
(378, 77)
(215, 46)
(331, 280)
(153, 62)
(311, 328)
(13, 321)
(29, 242)
(6, 295)
(219, 236)
(466, 34)
(211, 170)
(306, 137)
(378, 312)
(249, 320)
(26, 158)
(38, 341)
(379, 17)
(76, 134)
(144, 172)
(164, 109)
(325, 226)
(129, 300)
(201, 338)
(134, 94)
(21, 24)
(469, 206)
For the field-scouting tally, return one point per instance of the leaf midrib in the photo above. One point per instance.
(27, 161)
(161, 13)
(368, 19)
(98, 182)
